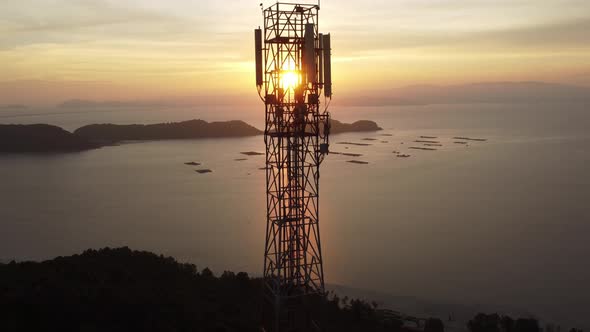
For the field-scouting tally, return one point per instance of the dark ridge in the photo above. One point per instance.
(41, 138)
(161, 131)
(358, 162)
(48, 138)
(424, 141)
(194, 129)
(203, 171)
(192, 163)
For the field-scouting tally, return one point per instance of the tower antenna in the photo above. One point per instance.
(293, 68)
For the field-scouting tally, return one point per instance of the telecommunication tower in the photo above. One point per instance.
(293, 69)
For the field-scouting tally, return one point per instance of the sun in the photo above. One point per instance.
(289, 79)
(289, 75)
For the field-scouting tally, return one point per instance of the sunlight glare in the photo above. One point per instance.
(289, 75)
(289, 80)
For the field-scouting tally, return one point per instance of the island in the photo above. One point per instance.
(41, 138)
(162, 131)
(338, 127)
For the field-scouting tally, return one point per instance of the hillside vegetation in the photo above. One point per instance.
(124, 290)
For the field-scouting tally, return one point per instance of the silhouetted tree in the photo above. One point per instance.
(434, 325)
(526, 325)
(495, 323)
(243, 277)
(335, 300)
(345, 301)
(549, 328)
(393, 324)
(507, 324)
(207, 273)
(484, 323)
(360, 309)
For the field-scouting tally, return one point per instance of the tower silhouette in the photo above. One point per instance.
(293, 67)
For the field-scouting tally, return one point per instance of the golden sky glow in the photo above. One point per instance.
(51, 50)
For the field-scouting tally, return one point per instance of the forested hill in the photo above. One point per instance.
(160, 131)
(120, 290)
(195, 129)
(123, 290)
(338, 127)
(43, 138)
(40, 138)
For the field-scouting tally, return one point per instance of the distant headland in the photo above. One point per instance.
(164, 131)
(338, 127)
(13, 107)
(43, 138)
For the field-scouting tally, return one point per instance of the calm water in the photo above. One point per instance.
(501, 222)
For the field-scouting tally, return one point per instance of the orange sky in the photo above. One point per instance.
(52, 50)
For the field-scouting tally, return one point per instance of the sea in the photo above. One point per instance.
(501, 225)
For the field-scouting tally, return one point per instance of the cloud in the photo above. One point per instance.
(30, 22)
(207, 44)
(553, 37)
(491, 92)
(568, 34)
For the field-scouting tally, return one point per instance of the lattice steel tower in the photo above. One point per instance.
(293, 68)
